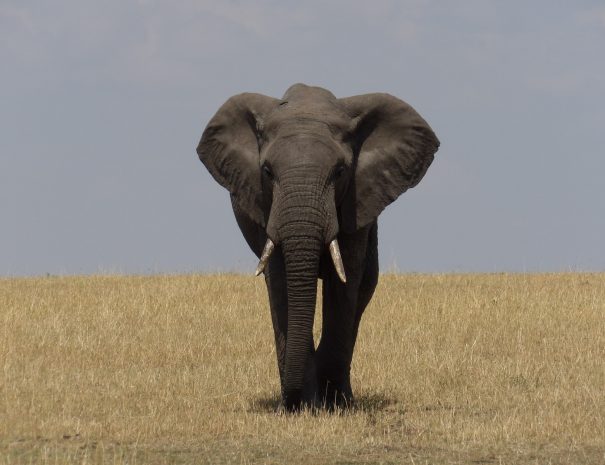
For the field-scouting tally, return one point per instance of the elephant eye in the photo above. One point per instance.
(267, 172)
(338, 171)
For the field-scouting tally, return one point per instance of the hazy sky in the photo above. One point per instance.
(103, 103)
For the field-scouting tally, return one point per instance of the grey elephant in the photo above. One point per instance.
(308, 176)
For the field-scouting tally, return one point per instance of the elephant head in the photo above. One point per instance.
(308, 168)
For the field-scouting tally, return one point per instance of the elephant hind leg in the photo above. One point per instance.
(369, 280)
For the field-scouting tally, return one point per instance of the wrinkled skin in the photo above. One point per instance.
(303, 171)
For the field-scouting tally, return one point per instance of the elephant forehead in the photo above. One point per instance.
(305, 117)
(306, 146)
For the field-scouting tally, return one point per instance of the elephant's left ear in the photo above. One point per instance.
(394, 147)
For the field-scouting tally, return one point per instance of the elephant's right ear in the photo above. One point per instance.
(229, 149)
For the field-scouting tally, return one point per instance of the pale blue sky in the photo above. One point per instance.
(102, 105)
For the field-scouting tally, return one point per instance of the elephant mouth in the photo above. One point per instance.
(334, 253)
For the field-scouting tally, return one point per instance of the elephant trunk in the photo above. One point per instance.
(302, 233)
(302, 264)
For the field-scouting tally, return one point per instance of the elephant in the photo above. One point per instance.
(308, 175)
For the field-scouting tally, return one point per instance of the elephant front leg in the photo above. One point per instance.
(343, 306)
(342, 315)
(335, 349)
(278, 302)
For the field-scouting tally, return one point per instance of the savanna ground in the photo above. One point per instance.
(181, 369)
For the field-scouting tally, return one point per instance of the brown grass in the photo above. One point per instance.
(181, 369)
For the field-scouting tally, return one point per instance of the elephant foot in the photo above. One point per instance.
(296, 401)
(330, 396)
(334, 383)
(293, 400)
(336, 395)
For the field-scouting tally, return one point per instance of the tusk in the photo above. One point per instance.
(264, 258)
(337, 259)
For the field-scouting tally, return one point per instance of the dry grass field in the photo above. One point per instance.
(181, 369)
